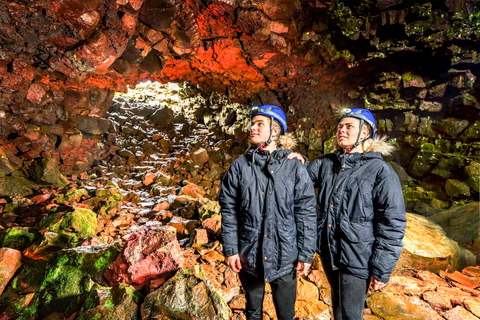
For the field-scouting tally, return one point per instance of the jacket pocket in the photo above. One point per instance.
(356, 244)
(248, 245)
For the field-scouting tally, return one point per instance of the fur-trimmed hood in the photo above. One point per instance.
(286, 141)
(377, 144)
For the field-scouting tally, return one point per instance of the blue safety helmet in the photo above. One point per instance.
(272, 112)
(363, 114)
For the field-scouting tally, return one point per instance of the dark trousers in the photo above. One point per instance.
(348, 293)
(284, 293)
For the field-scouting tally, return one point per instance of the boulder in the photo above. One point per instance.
(306, 290)
(162, 118)
(186, 296)
(149, 253)
(458, 313)
(407, 285)
(200, 156)
(390, 306)
(213, 225)
(462, 224)
(451, 126)
(9, 162)
(16, 186)
(19, 238)
(426, 247)
(45, 171)
(472, 172)
(424, 161)
(77, 225)
(105, 201)
(117, 302)
(9, 263)
(93, 125)
(457, 189)
(208, 209)
(312, 310)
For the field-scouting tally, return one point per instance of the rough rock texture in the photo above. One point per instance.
(149, 253)
(186, 296)
(426, 247)
(414, 63)
(9, 263)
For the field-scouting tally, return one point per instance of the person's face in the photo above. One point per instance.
(260, 130)
(347, 131)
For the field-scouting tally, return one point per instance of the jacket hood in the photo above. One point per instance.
(378, 144)
(286, 142)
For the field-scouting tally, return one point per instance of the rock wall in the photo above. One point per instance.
(414, 63)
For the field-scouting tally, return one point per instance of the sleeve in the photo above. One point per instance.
(313, 169)
(305, 215)
(390, 222)
(228, 200)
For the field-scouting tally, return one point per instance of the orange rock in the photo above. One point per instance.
(319, 278)
(326, 295)
(311, 310)
(213, 256)
(432, 278)
(456, 295)
(148, 179)
(229, 293)
(164, 205)
(472, 271)
(473, 307)
(231, 278)
(200, 238)
(458, 313)
(408, 285)
(213, 225)
(193, 190)
(268, 306)
(9, 263)
(239, 302)
(438, 301)
(306, 291)
(215, 277)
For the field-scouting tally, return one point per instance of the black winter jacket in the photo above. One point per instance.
(268, 213)
(361, 213)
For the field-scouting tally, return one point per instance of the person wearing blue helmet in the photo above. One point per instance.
(268, 215)
(360, 213)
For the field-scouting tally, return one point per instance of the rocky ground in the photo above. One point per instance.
(138, 236)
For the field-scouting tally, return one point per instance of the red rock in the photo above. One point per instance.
(9, 263)
(456, 295)
(472, 271)
(432, 278)
(464, 279)
(36, 93)
(148, 178)
(164, 205)
(149, 253)
(41, 198)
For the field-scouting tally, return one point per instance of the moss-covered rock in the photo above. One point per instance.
(105, 201)
(457, 189)
(49, 243)
(424, 161)
(8, 162)
(451, 126)
(78, 224)
(118, 302)
(19, 237)
(472, 172)
(16, 186)
(208, 208)
(186, 296)
(45, 171)
(472, 133)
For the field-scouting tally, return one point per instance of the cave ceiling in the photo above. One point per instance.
(308, 56)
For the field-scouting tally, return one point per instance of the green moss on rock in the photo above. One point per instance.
(19, 237)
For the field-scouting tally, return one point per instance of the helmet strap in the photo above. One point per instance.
(358, 142)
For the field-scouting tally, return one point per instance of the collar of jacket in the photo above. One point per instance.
(261, 156)
(356, 159)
